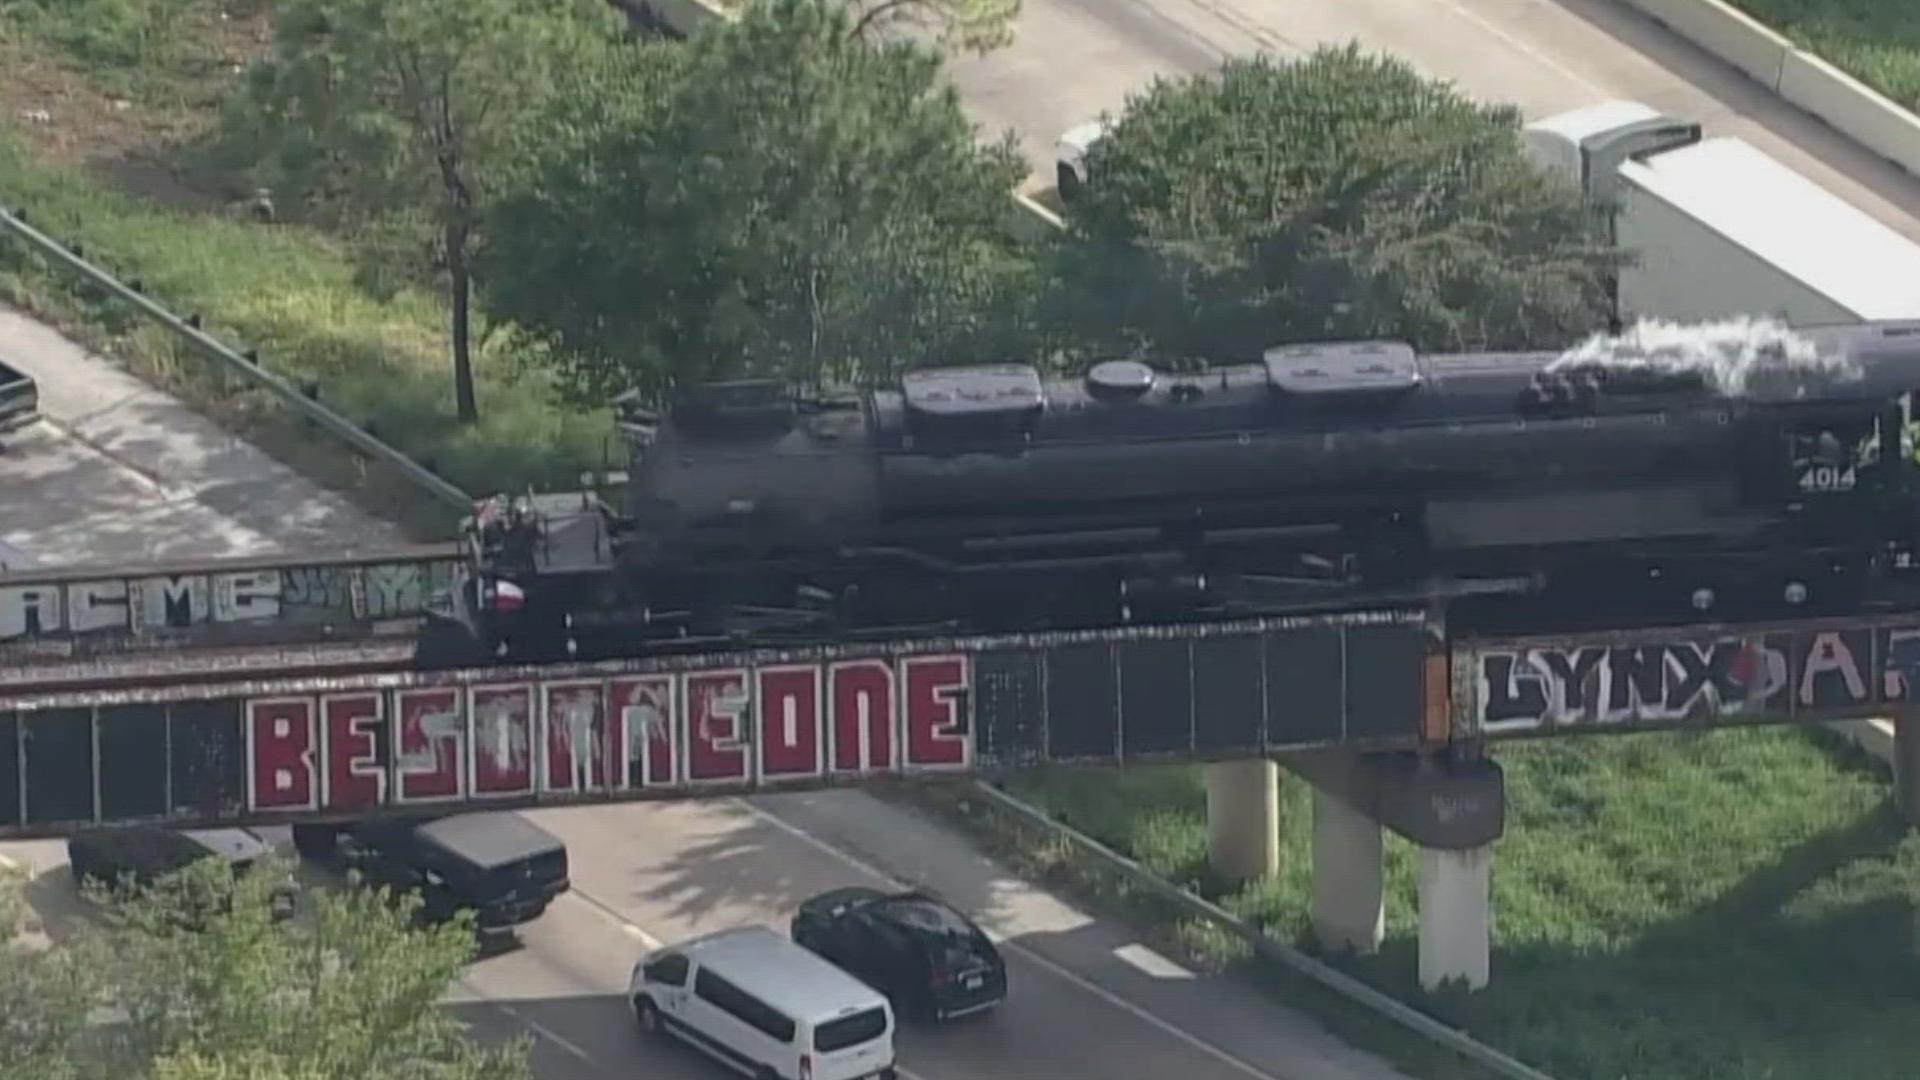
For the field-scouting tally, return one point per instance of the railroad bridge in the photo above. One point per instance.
(255, 691)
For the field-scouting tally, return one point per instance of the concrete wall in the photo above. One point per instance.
(1799, 77)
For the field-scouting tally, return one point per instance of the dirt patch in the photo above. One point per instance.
(142, 132)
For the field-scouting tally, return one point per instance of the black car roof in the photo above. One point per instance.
(489, 838)
(145, 850)
(835, 901)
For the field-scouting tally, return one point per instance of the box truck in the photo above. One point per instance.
(1715, 229)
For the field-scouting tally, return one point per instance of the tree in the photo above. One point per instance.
(193, 979)
(974, 25)
(777, 197)
(1338, 196)
(395, 112)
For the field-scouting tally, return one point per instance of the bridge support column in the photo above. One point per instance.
(1349, 894)
(1456, 925)
(1243, 819)
(1906, 767)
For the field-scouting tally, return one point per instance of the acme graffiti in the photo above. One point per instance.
(715, 727)
(1806, 675)
(309, 595)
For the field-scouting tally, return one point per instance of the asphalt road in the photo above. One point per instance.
(1087, 1000)
(1075, 58)
(117, 472)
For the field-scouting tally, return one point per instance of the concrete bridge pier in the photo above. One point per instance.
(1349, 879)
(1906, 766)
(1452, 807)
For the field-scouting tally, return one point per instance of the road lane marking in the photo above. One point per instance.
(1166, 1027)
(627, 926)
(531, 1024)
(1522, 46)
(1151, 963)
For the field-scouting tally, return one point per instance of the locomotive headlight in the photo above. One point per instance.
(1796, 593)
(1702, 599)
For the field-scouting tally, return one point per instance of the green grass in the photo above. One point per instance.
(1677, 905)
(291, 293)
(1875, 41)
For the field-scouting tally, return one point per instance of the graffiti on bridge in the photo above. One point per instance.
(1808, 674)
(293, 595)
(730, 726)
(292, 745)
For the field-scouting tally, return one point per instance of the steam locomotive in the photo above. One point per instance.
(1756, 473)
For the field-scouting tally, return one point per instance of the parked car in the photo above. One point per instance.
(762, 1006)
(144, 854)
(931, 961)
(497, 864)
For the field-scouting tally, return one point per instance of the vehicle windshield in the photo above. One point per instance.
(932, 920)
(850, 1031)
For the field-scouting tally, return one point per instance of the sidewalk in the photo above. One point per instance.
(118, 472)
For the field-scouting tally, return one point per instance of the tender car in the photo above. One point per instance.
(497, 864)
(147, 853)
(931, 961)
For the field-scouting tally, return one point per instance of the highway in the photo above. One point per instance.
(1074, 58)
(116, 472)
(1087, 1000)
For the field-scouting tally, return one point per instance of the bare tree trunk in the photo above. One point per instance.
(461, 286)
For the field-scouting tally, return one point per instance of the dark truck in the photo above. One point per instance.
(19, 398)
(496, 864)
(144, 854)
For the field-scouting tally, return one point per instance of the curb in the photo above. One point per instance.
(1800, 78)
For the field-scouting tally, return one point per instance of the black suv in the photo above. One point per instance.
(931, 961)
(497, 864)
(147, 853)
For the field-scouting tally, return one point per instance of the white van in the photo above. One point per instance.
(756, 1002)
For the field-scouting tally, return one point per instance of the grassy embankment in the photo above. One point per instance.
(1691, 906)
(1875, 41)
(110, 106)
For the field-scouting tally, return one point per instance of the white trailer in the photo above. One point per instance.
(1716, 229)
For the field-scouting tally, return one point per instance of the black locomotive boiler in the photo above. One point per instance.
(1519, 489)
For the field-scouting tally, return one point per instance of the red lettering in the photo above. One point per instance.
(502, 739)
(716, 719)
(280, 754)
(428, 741)
(862, 716)
(576, 737)
(935, 691)
(354, 778)
(640, 730)
(790, 721)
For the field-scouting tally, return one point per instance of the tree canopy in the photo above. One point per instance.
(780, 197)
(394, 115)
(347, 990)
(1342, 195)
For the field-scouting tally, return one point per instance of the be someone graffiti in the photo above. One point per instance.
(718, 727)
(309, 595)
(1808, 675)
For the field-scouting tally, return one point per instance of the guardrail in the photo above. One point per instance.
(1795, 75)
(1266, 947)
(246, 366)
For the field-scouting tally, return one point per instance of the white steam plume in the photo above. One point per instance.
(1738, 357)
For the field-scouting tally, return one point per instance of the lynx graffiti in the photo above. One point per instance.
(707, 728)
(304, 594)
(1806, 674)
